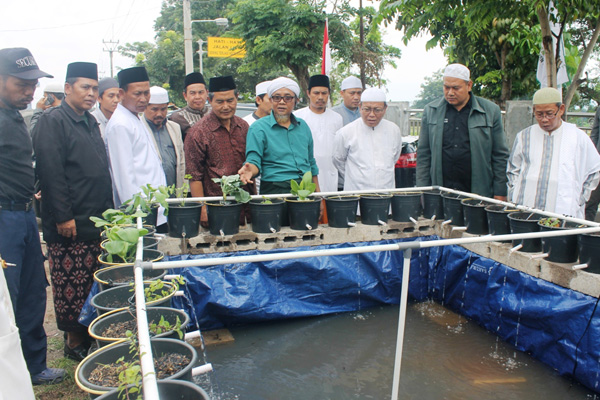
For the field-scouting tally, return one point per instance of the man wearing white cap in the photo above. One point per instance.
(323, 124)
(262, 102)
(279, 146)
(367, 149)
(348, 108)
(553, 166)
(462, 144)
(53, 95)
(166, 135)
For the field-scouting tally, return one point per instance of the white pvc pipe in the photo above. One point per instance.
(351, 224)
(579, 266)
(541, 255)
(414, 221)
(273, 230)
(516, 248)
(382, 223)
(401, 324)
(308, 227)
(459, 228)
(433, 217)
(171, 277)
(191, 335)
(179, 293)
(446, 222)
(203, 369)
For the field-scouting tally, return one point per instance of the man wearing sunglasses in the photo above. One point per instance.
(553, 166)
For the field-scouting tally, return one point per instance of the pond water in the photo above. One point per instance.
(351, 356)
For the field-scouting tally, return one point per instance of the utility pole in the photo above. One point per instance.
(111, 48)
(362, 45)
(187, 37)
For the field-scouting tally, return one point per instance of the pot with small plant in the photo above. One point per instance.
(302, 209)
(184, 217)
(375, 208)
(148, 200)
(266, 215)
(224, 215)
(167, 390)
(560, 249)
(122, 275)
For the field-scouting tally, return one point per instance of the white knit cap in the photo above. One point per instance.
(351, 82)
(547, 95)
(262, 88)
(158, 95)
(373, 94)
(281, 83)
(458, 71)
(54, 87)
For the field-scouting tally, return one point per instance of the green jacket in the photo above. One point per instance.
(489, 152)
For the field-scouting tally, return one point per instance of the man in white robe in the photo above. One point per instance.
(134, 160)
(367, 149)
(553, 165)
(323, 124)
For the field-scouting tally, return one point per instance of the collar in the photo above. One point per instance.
(13, 113)
(273, 121)
(213, 123)
(191, 110)
(357, 111)
(153, 126)
(86, 118)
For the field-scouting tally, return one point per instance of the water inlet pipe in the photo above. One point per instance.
(273, 230)
(401, 324)
(351, 224)
(433, 218)
(516, 248)
(414, 221)
(446, 222)
(191, 335)
(380, 222)
(541, 255)
(459, 228)
(172, 277)
(203, 369)
(308, 227)
(579, 266)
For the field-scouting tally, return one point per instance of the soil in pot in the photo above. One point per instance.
(184, 221)
(303, 214)
(120, 275)
(406, 205)
(588, 246)
(453, 209)
(341, 210)
(433, 205)
(120, 297)
(266, 217)
(525, 222)
(560, 249)
(475, 216)
(497, 216)
(224, 219)
(374, 208)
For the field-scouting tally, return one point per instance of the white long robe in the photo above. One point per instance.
(553, 172)
(367, 155)
(134, 160)
(323, 127)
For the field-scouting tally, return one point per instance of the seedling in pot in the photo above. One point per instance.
(550, 222)
(148, 198)
(305, 188)
(231, 185)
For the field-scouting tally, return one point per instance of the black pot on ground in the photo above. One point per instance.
(266, 216)
(588, 246)
(525, 222)
(303, 213)
(453, 209)
(110, 354)
(184, 221)
(560, 249)
(168, 390)
(122, 297)
(374, 208)
(406, 205)
(122, 275)
(341, 210)
(224, 219)
(170, 315)
(433, 205)
(475, 216)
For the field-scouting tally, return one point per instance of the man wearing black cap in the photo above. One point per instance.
(75, 181)
(323, 124)
(108, 99)
(216, 145)
(19, 238)
(195, 94)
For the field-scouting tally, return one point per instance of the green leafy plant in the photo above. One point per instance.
(147, 199)
(157, 289)
(231, 185)
(122, 243)
(112, 217)
(130, 374)
(305, 188)
(266, 200)
(551, 222)
(165, 326)
(181, 191)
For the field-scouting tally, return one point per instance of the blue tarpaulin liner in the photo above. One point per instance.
(559, 326)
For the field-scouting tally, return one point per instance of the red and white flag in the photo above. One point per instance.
(326, 63)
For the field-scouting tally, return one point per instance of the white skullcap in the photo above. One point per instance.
(458, 71)
(281, 83)
(54, 87)
(547, 95)
(158, 95)
(262, 88)
(373, 94)
(351, 82)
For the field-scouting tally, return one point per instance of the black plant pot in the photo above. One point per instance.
(154, 314)
(224, 219)
(110, 354)
(560, 249)
(589, 251)
(525, 222)
(374, 208)
(303, 213)
(475, 216)
(184, 221)
(121, 297)
(453, 209)
(497, 217)
(266, 217)
(168, 390)
(406, 205)
(341, 210)
(149, 255)
(433, 205)
(152, 216)
(122, 275)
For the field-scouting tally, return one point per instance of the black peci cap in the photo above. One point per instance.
(82, 70)
(318, 80)
(19, 62)
(193, 77)
(132, 75)
(221, 84)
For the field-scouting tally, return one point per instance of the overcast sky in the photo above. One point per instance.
(60, 32)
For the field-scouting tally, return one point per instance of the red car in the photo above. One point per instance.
(406, 166)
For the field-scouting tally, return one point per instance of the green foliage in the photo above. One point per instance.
(266, 200)
(431, 89)
(147, 199)
(551, 222)
(119, 228)
(231, 185)
(165, 326)
(182, 191)
(157, 289)
(305, 188)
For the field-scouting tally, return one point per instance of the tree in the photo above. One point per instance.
(431, 89)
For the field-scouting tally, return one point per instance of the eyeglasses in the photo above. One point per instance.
(548, 115)
(372, 110)
(287, 98)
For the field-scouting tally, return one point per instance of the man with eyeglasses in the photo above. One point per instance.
(553, 166)
(462, 144)
(367, 149)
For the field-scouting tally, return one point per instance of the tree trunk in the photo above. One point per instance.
(576, 81)
(301, 74)
(547, 45)
(506, 80)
